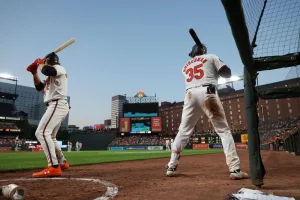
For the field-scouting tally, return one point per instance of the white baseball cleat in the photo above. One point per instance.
(238, 174)
(171, 171)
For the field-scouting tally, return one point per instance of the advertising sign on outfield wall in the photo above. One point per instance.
(116, 148)
(155, 148)
(136, 148)
(240, 146)
(200, 146)
(215, 146)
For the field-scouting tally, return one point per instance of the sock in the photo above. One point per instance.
(174, 159)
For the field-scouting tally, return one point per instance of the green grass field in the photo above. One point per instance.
(33, 160)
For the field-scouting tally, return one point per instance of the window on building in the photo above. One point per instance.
(229, 107)
(231, 112)
(240, 117)
(290, 111)
(267, 107)
(172, 125)
(268, 113)
(266, 101)
(276, 100)
(239, 111)
(202, 121)
(229, 101)
(289, 104)
(288, 99)
(240, 122)
(278, 112)
(238, 105)
(238, 100)
(201, 116)
(231, 117)
(277, 105)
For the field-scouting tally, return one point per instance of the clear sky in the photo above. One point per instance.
(121, 47)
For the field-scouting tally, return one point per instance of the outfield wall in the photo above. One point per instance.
(121, 148)
(218, 146)
(91, 141)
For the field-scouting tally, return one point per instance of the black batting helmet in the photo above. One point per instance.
(52, 59)
(198, 50)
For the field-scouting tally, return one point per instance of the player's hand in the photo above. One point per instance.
(33, 67)
(39, 61)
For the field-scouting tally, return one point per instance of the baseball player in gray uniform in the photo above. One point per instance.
(201, 77)
(55, 98)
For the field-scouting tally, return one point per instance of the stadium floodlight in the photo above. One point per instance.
(8, 77)
(229, 80)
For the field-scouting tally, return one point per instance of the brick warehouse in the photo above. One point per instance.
(234, 106)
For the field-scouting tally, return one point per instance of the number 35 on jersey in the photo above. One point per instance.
(194, 71)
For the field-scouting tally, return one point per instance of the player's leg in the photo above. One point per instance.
(213, 108)
(52, 117)
(60, 156)
(188, 121)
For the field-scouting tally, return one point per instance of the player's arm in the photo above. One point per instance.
(48, 70)
(54, 71)
(39, 86)
(222, 69)
(225, 72)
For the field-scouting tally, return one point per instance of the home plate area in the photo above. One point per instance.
(64, 188)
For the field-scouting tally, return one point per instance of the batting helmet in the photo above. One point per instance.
(52, 58)
(198, 50)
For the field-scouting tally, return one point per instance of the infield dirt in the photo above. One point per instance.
(199, 177)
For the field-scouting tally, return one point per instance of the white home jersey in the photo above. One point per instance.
(202, 70)
(56, 87)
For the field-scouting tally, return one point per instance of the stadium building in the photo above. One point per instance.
(234, 106)
(29, 101)
(117, 109)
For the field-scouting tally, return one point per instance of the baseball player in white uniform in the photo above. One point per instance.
(55, 98)
(201, 77)
(69, 146)
(167, 145)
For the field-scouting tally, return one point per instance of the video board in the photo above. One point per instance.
(140, 125)
(140, 110)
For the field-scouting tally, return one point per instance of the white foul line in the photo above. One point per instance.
(111, 191)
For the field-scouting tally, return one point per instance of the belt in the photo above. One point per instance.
(204, 85)
(47, 104)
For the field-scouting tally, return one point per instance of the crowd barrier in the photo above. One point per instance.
(121, 148)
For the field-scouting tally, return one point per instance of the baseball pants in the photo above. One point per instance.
(197, 99)
(48, 128)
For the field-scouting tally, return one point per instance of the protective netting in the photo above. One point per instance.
(293, 73)
(278, 31)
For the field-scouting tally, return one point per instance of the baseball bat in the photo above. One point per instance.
(68, 43)
(195, 37)
(61, 47)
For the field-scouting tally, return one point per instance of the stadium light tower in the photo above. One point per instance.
(9, 77)
(232, 79)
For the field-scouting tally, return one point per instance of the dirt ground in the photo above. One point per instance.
(199, 177)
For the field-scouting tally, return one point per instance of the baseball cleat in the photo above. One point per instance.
(48, 172)
(171, 171)
(238, 174)
(65, 165)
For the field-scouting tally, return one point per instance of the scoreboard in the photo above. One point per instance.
(212, 139)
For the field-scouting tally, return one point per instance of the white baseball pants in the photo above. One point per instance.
(197, 99)
(48, 128)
